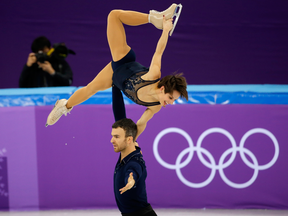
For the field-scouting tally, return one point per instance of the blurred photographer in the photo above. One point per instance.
(45, 66)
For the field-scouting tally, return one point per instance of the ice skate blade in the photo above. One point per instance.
(177, 15)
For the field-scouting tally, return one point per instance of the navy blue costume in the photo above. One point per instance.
(127, 78)
(134, 201)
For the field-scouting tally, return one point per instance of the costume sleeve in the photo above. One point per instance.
(26, 76)
(118, 104)
(136, 169)
(65, 77)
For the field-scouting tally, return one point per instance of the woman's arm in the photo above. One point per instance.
(146, 116)
(155, 66)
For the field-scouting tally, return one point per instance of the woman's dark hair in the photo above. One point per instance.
(40, 43)
(128, 126)
(174, 82)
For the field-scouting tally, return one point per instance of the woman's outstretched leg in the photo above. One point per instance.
(101, 82)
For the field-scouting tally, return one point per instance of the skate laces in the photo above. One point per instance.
(64, 110)
(60, 110)
(164, 12)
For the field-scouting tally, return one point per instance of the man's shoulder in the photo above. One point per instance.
(138, 159)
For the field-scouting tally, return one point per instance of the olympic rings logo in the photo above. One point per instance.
(212, 165)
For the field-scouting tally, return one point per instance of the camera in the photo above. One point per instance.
(58, 51)
(41, 57)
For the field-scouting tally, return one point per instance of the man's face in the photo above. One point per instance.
(118, 139)
(46, 49)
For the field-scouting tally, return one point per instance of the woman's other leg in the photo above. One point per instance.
(102, 81)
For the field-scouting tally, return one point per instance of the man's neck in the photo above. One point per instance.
(127, 151)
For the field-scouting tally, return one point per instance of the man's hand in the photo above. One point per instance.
(129, 185)
(46, 66)
(31, 59)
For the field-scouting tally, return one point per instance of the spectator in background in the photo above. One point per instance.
(52, 71)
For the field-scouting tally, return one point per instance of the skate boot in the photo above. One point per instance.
(156, 18)
(58, 110)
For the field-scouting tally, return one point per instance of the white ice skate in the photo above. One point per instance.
(58, 110)
(156, 17)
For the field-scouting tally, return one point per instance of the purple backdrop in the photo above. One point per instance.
(215, 42)
(18, 145)
(70, 164)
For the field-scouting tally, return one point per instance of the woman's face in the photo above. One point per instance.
(168, 98)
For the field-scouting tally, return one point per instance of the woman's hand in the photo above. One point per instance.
(167, 24)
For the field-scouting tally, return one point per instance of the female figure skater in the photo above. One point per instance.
(142, 85)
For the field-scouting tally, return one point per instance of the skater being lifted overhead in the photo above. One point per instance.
(142, 85)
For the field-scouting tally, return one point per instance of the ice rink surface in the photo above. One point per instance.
(160, 212)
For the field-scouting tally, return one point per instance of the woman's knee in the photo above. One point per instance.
(114, 13)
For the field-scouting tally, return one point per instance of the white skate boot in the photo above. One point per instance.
(156, 17)
(58, 110)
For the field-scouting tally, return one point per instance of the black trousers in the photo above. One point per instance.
(148, 211)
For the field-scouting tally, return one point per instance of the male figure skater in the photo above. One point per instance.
(130, 171)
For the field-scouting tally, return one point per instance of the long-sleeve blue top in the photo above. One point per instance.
(136, 198)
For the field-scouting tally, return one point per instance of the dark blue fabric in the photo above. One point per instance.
(148, 211)
(125, 68)
(133, 84)
(130, 57)
(134, 199)
(127, 78)
(118, 104)
(122, 70)
(117, 97)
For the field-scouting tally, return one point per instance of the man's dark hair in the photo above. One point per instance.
(128, 126)
(39, 43)
(174, 82)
